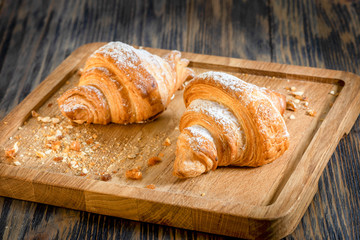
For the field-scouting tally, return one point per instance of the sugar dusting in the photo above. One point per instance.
(200, 136)
(244, 91)
(216, 111)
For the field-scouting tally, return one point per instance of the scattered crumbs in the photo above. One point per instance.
(150, 186)
(291, 117)
(311, 112)
(167, 142)
(105, 177)
(153, 161)
(134, 174)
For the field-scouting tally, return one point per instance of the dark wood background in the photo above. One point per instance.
(36, 36)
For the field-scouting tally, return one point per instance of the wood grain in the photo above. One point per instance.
(38, 35)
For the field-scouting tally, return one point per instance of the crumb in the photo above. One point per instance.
(58, 159)
(311, 112)
(75, 145)
(80, 71)
(332, 92)
(10, 153)
(292, 117)
(44, 119)
(134, 174)
(296, 100)
(5, 123)
(290, 105)
(105, 177)
(306, 104)
(16, 163)
(84, 171)
(55, 120)
(39, 154)
(161, 155)
(34, 114)
(154, 160)
(89, 141)
(293, 89)
(297, 93)
(50, 105)
(94, 136)
(67, 82)
(150, 186)
(132, 156)
(202, 194)
(167, 142)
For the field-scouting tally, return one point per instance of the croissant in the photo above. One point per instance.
(228, 122)
(121, 84)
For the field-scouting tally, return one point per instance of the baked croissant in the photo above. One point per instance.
(124, 85)
(228, 122)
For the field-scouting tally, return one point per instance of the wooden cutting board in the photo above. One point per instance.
(264, 202)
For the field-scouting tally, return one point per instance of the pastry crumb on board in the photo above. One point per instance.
(55, 144)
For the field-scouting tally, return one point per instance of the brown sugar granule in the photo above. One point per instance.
(58, 159)
(75, 145)
(167, 142)
(134, 174)
(150, 186)
(105, 177)
(153, 160)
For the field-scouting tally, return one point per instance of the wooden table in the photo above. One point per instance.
(36, 36)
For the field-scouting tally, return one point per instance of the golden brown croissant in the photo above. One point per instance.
(228, 122)
(122, 84)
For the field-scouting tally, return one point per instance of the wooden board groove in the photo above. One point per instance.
(273, 213)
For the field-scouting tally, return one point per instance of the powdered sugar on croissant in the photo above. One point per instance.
(123, 85)
(228, 122)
